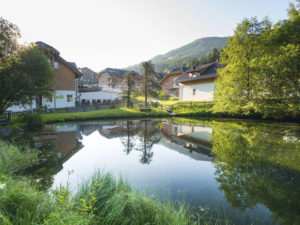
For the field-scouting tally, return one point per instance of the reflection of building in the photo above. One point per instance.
(196, 138)
(57, 144)
(63, 138)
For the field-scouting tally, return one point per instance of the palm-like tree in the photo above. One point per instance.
(149, 84)
(128, 85)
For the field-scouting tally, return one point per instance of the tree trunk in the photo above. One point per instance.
(146, 76)
(128, 97)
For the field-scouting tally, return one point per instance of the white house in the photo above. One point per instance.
(198, 83)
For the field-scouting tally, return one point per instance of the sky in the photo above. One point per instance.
(119, 33)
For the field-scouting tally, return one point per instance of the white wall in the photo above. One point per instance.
(61, 102)
(16, 108)
(98, 95)
(61, 99)
(204, 92)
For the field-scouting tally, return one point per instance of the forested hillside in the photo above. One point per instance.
(174, 58)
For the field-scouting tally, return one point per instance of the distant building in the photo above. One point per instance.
(89, 77)
(168, 84)
(198, 83)
(110, 79)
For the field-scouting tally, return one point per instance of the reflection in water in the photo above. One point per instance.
(240, 171)
(257, 165)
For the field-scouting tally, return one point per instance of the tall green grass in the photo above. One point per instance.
(116, 203)
(14, 159)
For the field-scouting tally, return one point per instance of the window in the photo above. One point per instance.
(69, 98)
(167, 82)
(194, 91)
(56, 65)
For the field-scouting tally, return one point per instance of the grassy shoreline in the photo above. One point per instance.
(187, 111)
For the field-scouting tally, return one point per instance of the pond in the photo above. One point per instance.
(242, 172)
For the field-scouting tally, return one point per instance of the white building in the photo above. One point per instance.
(66, 76)
(198, 83)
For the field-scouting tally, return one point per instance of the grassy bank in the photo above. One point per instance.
(100, 114)
(198, 109)
(100, 200)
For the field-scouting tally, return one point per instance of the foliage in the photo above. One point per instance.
(8, 38)
(262, 73)
(259, 164)
(32, 121)
(128, 86)
(194, 109)
(14, 159)
(209, 58)
(116, 203)
(23, 75)
(149, 85)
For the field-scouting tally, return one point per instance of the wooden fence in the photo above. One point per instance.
(9, 114)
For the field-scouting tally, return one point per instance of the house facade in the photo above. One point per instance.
(198, 83)
(65, 83)
(169, 84)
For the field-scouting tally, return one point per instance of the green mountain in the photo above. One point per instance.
(173, 59)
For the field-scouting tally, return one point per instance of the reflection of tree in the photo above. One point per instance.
(149, 136)
(127, 139)
(258, 165)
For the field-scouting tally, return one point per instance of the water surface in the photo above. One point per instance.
(239, 171)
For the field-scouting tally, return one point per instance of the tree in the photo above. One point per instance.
(24, 75)
(262, 70)
(128, 85)
(149, 85)
(8, 37)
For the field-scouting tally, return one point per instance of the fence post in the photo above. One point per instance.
(8, 115)
(191, 103)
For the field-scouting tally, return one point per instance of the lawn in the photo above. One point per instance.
(103, 114)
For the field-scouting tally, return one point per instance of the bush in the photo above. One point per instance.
(32, 121)
(174, 99)
(14, 159)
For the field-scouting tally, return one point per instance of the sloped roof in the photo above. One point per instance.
(70, 65)
(174, 71)
(210, 72)
(73, 65)
(44, 45)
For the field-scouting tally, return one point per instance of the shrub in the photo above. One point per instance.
(14, 159)
(32, 121)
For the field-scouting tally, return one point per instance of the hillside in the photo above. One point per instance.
(173, 58)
